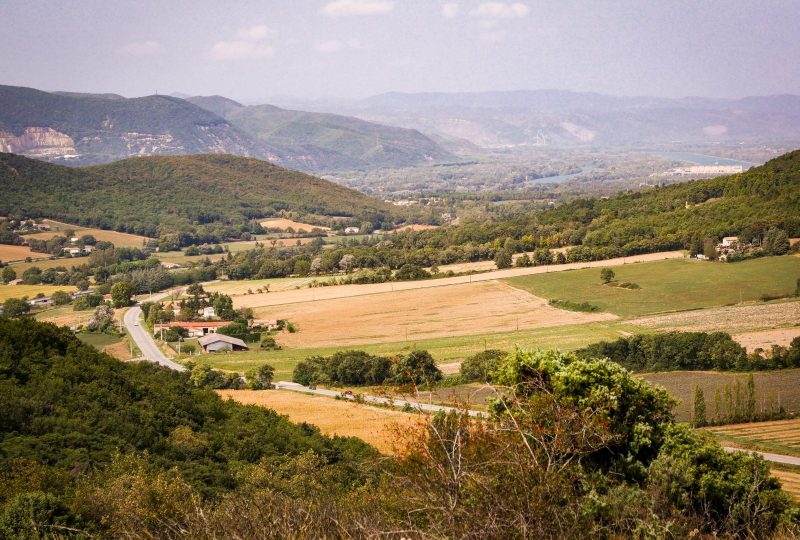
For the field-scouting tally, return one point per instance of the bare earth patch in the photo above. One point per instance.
(333, 417)
(767, 338)
(730, 318)
(456, 310)
(10, 253)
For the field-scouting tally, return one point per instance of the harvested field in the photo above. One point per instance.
(120, 351)
(419, 314)
(65, 316)
(790, 481)
(241, 288)
(767, 338)
(415, 227)
(117, 238)
(44, 264)
(773, 388)
(778, 437)
(20, 291)
(10, 253)
(730, 318)
(283, 224)
(484, 266)
(333, 417)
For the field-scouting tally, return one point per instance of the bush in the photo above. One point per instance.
(351, 368)
(480, 366)
(416, 367)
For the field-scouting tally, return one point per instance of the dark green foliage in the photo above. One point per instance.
(409, 272)
(260, 378)
(606, 275)
(690, 351)
(15, 307)
(776, 242)
(569, 305)
(242, 331)
(416, 367)
(699, 415)
(71, 407)
(480, 366)
(121, 294)
(345, 368)
(213, 196)
(35, 515)
(9, 274)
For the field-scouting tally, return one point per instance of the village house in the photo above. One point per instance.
(209, 312)
(195, 329)
(269, 324)
(221, 342)
(351, 230)
(43, 301)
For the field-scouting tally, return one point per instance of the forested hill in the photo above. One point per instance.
(671, 217)
(205, 194)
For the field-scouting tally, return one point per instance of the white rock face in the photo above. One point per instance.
(40, 142)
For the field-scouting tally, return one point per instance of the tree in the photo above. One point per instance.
(260, 378)
(347, 262)
(480, 366)
(699, 416)
(776, 242)
(121, 294)
(416, 367)
(15, 307)
(223, 306)
(503, 258)
(61, 298)
(607, 275)
(710, 249)
(750, 400)
(102, 318)
(523, 261)
(9, 274)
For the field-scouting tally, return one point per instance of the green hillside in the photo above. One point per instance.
(321, 141)
(208, 195)
(104, 128)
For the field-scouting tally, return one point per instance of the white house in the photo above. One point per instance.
(209, 312)
(351, 230)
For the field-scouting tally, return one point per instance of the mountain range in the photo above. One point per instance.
(82, 129)
(568, 119)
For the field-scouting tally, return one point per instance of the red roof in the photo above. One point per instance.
(188, 324)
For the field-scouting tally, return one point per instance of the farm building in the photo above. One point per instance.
(221, 342)
(269, 324)
(351, 230)
(196, 329)
(43, 301)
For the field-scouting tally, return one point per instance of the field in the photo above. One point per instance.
(333, 417)
(283, 224)
(10, 253)
(790, 480)
(740, 318)
(673, 285)
(399, 316)
(19, 291)
(766, 339)
(445, 350)
(65, 316)
(239, 288)
(776, 388)
(44, 264)
(117, 238)
(778, 437)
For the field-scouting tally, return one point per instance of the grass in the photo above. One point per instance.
(671, 285)
(19, 291)
(772, 388)
(44, 264)
(241, 287)
(778, 437)
(99, 341)
(445, 349)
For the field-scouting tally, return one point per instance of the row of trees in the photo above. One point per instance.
(357, 368)
(735, 404)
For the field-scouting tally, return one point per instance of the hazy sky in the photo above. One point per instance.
(251, 50)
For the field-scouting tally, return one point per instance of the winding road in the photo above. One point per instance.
(144, 340)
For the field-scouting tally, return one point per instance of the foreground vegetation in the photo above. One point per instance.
(575, 448)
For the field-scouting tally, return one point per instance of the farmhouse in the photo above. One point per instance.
(221, 342)
(351, 230)
(209, 312)
(196, 329)
(269, 324)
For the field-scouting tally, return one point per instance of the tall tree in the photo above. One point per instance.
(699, 417)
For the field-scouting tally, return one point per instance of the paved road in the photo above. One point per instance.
(427, 407)
(775, 458)
(141, 336)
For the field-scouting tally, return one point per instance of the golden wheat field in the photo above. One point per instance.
(333, 417)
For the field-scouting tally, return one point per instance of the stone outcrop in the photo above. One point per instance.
(39, 142)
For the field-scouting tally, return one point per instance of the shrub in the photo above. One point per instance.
(480, 366)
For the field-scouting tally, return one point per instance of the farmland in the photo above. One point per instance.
(772, 388)
(778, 437)
(333, 417)
(117, 238)
(674, 285)
(64, 316)
(10, 253)
(20, 291)
(443, 311)
(284, 224)
(739, 318)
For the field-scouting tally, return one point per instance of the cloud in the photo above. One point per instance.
(140, 48)
(250, 43)
(336, 45)
(500, 10)
(450, 10)
(345, 8)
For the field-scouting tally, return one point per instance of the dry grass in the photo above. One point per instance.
(780, 436)
(241, 288)
(19, 291)
(415, 227)
(333, 417)
(729, 318)
(284, 224)
(65, 316)
(767, 338)
(120, 351)
(790, 481)
(419, 314)
(10, 253)
(117, 238)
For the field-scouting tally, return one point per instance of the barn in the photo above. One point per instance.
(221, 342)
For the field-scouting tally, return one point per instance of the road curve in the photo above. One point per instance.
(141, 336)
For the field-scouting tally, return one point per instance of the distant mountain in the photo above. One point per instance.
(318, 141)
(562, 118)
(85, 128)
(212, 196)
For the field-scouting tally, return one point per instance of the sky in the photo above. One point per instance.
(254, 51)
